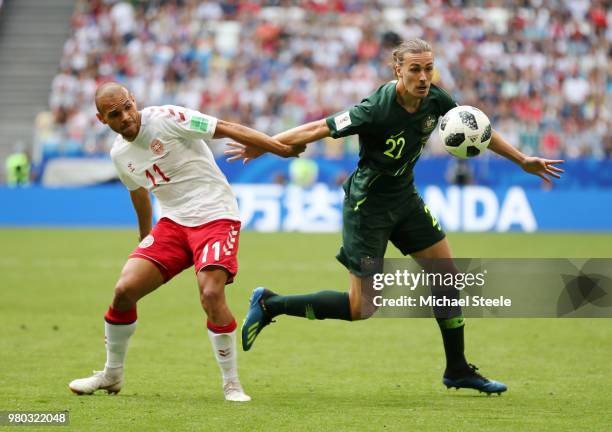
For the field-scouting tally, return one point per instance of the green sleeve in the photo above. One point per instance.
(354, 121)
(446, 102)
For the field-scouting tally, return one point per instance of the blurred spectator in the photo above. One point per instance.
(551, 144)
(18, 170)
(529, 138)
(459, 172)
(303, 172)
(576, 89)
(536, 67)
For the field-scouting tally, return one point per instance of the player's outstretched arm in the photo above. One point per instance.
(250, 137)
(297, 138)
(304, 134)
(144, 213)
(544, 168)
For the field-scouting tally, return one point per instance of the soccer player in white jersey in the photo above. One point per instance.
(162, 150)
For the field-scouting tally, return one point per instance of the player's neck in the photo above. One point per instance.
(407, 101)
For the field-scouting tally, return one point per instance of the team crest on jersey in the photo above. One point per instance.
(131, 167)
(146, 242)
(429, 124)
(157, 147)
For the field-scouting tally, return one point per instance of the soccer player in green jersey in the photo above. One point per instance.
(382, 204)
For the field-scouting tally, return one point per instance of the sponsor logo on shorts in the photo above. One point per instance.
(146, 242)
(343, 120)
(157, 147)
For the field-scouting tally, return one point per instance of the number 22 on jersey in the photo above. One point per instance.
(157, 170)
(395, 147)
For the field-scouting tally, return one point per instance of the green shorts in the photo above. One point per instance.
(369, 224)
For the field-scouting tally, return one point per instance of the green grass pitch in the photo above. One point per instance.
(380, 374)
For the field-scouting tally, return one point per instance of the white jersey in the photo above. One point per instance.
(170, 159)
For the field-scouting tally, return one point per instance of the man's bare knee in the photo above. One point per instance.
(212, 294)
(360, 311)
(361, 307)
(125, 295)
(212, 288)
(363, 313)
(138, 278)
(211, 297)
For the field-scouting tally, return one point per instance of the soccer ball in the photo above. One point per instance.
(465, 131)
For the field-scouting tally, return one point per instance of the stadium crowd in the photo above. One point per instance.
(539, 68)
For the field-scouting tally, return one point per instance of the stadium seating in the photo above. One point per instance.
(32, 34)
(274, 66)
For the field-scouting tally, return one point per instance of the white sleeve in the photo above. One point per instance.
(189, 124)
(125, 179)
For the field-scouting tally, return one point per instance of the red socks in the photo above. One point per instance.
(116, 317)
(221, 329)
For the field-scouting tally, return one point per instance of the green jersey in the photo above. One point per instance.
(381, 202)
(390, 138)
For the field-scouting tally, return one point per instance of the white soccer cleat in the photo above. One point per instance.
(98, 381)
(234, 393)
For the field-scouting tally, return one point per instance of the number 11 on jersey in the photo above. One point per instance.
(158, 171)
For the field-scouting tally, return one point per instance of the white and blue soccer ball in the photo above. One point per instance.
(465, 131)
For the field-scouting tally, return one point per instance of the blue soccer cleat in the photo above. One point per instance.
(469, 378)
(257, 317)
